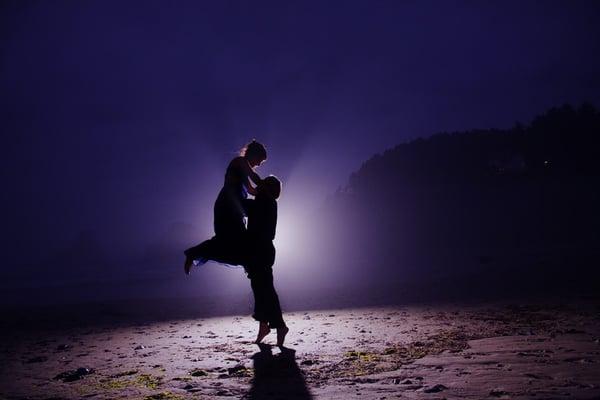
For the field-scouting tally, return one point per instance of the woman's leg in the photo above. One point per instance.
(200, 251)
(197, 253)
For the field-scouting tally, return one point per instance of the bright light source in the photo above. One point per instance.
(290, 240)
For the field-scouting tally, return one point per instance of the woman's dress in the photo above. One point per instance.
(227, 246)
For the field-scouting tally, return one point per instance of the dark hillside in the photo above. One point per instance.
(516, 206)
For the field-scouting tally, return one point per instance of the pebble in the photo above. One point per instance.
(435, 389)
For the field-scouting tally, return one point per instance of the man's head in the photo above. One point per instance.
(270, 187)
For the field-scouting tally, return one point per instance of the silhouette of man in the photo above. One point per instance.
(262, 221)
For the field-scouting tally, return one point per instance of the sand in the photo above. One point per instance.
(496, 351)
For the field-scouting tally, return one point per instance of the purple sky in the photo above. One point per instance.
(118, 118)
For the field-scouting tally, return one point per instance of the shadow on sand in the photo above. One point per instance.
(277, 376)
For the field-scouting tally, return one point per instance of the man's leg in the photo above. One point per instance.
(273, 309)
(260, 314)
(276, 317)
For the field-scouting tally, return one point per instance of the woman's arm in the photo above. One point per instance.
(251, 190)
(251, 177)
(254, 177)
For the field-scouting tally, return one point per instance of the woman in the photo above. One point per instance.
(226, 245)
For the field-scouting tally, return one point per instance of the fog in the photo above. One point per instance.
(119, 120)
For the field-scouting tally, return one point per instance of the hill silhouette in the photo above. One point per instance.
(516, 207)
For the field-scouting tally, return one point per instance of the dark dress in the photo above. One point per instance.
(262, 221)
(228, 244)
(229, 211)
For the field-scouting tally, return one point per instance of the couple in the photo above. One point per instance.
(250, 246)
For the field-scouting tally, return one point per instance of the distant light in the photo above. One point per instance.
(290, 238)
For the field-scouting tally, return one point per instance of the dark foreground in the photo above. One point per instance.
(534, 350)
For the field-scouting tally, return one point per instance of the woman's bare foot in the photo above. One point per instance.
(188, 265)
(263, 330)
(281, 332)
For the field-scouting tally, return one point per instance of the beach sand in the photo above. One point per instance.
(496, 351)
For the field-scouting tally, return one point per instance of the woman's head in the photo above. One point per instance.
(254, 152)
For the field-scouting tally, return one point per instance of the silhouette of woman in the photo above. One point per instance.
(226, 246)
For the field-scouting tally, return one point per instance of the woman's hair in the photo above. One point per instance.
(254, 149)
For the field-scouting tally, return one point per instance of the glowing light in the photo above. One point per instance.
(291, 238)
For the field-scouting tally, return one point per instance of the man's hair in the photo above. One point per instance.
(272, 185)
